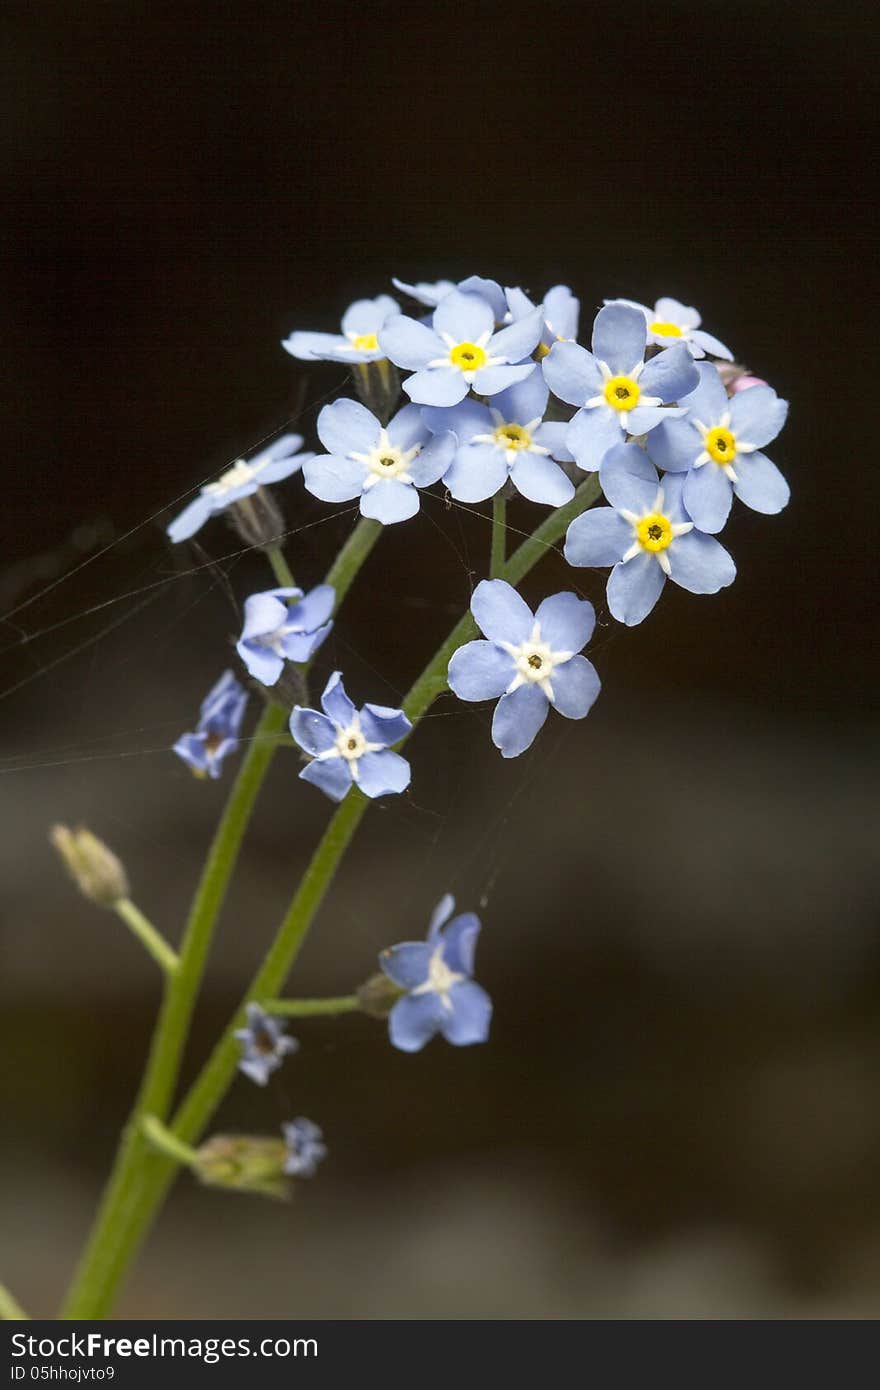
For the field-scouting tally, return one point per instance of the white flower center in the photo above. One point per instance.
(385, 460)
(534, 661)
(440, 979)
(351, 745)
(239, 474)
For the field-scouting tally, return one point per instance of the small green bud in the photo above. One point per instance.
(94, 868)
(244, 1163)
(378, 995)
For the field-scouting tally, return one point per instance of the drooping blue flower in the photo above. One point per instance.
(461, 350)
(271, 465)
(441, 996)
(505, 440)
(647, 536)
(264, 1045)
(718, 447)
(351, 747)
(283, 625)
(530, 660)
(217, 733)
(618, 391)
(358, 341)
(382, 465)
(432, 294)
(305, 1147)
(561, 315)
(671, 322)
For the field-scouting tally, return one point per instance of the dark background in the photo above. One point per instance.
(677, 1115)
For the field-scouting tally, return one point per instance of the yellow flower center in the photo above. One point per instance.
(654, 532)
(665, 330)
(622, 393)
(365, 342)
(720, 445)
(512, 437)
(468, 357)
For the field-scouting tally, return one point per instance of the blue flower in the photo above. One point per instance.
(383, 466)
(506, 440)
(305, 1147)
(358, 341)
(263, 1045)
(350, 747)
(217, 732)
(647, 536)
(561, 315)
(432, 294)
(529, 660)
(283, 625)
(717, 445)
(461, 351)
(440, 995)
(618, 391)
(279, 461)
(671, 322)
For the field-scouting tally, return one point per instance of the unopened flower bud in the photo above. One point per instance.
(258, 519)
(736, 377)
(244, 1163)
(378, 995)
(378, 387)
(94, 868)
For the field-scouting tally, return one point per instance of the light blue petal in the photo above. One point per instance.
(477, 471)
(315, 347)
(336, 704)
(591, 433)
(347, 427)
(672, 486)
(575, 687)
(518, 339)
(525, 401)
(634, 588)
(408, 428)
(629, 479)
(223, 695)
(264, 613)
(442, 913)
(490, 290)
(706, 343)
(649, 417)
(700, 563)
(409, 343)
(518, 303)
(464, 317)
(551, 435)
(432, 462)
(334, 478)
(436, 386)
(390, 501)
(283, 447)
(561, 313)
(191, 519)
(598, 537)
(459, 939)
(368, 315)
(707, 496)
(760, 484)
(332, 775)
(276, 470)
(500, 612)
(465, 420)
(757, 415)
(191, 749)
(567, 622)
(675, 445)
(470, 1017)
(480, 671)
(425, 292)
(414, 1020)
(709, 400)
(312, 730)
(381, 724)
(262, 663)
(671, 374)
(572, 373)
(488, 381)
(619, 338)
(301, 646)
(383, 774)
(517, 720)
(669, 310)
(314, 609)
(541, 480)
(407, 964)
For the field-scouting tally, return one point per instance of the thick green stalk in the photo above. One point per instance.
(150, 938)
(313, 1008)
(352, 555)
(10, 1308)
(280, 568)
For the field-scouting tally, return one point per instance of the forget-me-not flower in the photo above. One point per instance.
(264, 1045)
(431, 294)
(350, 747)
(461, 350)
(441, 996)
(561, 315)
(530, 660)
(647, 536)
(271, 465)
(505, 440)
(671, 322)
(305, 1147)
(382, 465)
(283, 625)
(718, 446)
(619, 392)
(358, 341)
(217, 733)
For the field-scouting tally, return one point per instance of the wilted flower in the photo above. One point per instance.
(264, 1045)
(305, 1148)
(217, 733)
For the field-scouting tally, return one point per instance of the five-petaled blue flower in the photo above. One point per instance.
(561, 314)
(305, 1147)
(351, 747)
(271, 465)
(431, 294)
(647, 536)
(530, 660)
(283, 625)
(718, 444)
(440, 995)
(619, 392)
(217, 733)
(263, 1045)
(671, 322)
(461, 351)
(358, 341)
(382, 465)
(505, 440)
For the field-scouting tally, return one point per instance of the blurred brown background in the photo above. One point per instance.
(678, 1112)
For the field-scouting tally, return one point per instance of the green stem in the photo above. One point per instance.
(161, 1138)
(10, 1309)
(352, 555)
(313, 1008)
(152, 940)
(499, 534)
(280, 568)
